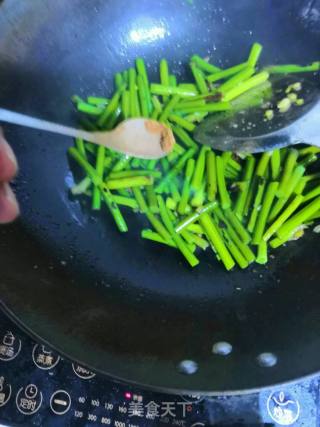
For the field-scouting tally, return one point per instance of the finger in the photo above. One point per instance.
(9, 209)
(8, 162)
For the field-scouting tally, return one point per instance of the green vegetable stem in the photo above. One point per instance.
(241, 206)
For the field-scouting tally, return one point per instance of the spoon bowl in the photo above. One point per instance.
(249, 130)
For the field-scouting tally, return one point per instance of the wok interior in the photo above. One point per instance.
(70, 277)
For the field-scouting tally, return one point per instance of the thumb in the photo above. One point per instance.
(8, 162)
(9, 209)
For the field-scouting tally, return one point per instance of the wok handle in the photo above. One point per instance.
(32, 122)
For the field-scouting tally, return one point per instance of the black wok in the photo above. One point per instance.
(116, 303)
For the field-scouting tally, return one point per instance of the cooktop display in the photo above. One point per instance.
(39, 387)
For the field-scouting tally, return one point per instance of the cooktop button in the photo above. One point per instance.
(10, 346)
(5, 391)
(60, 402)
(29, 399)
(82, 372)
(44, 358)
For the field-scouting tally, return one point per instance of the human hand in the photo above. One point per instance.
(9, 208)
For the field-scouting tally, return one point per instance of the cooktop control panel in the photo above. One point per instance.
(40, 388)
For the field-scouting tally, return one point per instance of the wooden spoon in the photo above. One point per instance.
(143, 138)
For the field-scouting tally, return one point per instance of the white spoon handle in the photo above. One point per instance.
(31, 122)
